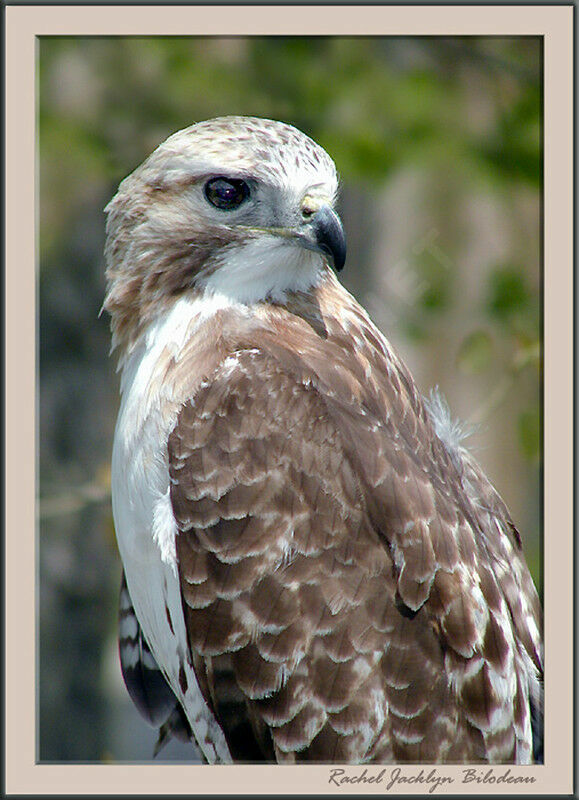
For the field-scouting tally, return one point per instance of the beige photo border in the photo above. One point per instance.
(23, 25)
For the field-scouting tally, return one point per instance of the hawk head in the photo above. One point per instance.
(237, 206)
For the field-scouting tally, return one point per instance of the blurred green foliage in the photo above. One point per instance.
(508, 293)
(530, 433)
(475, 352)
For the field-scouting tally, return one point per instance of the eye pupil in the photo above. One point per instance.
(226, 193)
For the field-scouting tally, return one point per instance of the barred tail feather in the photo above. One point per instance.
(145, 682)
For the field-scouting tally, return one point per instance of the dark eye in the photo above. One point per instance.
(226, 193)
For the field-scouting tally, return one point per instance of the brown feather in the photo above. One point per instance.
(328, 542)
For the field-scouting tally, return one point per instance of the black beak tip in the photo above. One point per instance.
(340, 255)
(330, 236)
(337, 256)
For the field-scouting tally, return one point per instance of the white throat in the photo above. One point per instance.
(265, 268)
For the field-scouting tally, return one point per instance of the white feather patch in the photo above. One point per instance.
(266, 267)
(451, 431)
(128, 627)
(165, 530)
(144, 521)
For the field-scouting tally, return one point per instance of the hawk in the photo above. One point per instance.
(315, 568)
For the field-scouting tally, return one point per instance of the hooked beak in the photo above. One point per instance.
(323, 232)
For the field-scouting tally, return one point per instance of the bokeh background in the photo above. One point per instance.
(438, 144)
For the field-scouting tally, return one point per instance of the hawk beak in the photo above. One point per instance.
(326, 235)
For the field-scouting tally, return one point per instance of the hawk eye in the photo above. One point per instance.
(226, 193)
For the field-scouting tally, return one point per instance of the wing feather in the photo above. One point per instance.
(328, 547)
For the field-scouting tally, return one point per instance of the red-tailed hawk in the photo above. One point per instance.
(316, 568)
